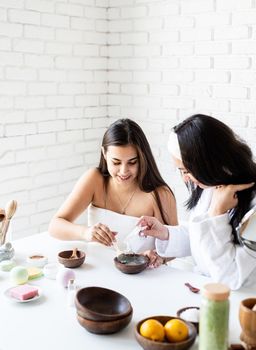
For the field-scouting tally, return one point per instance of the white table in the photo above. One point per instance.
(49, 323)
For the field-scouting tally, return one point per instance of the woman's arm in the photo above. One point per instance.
(212, 240)
(215, 253)
(171, 241)
(62, 225)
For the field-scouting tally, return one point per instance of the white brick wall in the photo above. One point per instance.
(70, 67)
(171, 59)
(52, 74)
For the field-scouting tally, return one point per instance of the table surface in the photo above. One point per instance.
(49, 323)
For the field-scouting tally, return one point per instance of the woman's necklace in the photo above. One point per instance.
(124, 207)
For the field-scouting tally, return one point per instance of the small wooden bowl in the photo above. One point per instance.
(131, 263)
(148, 344)
(102, 304)
(180, 311)
(64, 258)
(104, 327)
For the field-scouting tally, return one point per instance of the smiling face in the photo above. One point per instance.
(122, 163)
(185, 174)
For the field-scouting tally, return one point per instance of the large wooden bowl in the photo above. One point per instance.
(104, 327)
(148, 344)
(102, 304)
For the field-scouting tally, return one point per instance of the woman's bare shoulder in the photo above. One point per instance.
(168, 203)
(92, 175)
(90, 181)
(165, 193)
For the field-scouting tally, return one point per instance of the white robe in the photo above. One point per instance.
(209, 241)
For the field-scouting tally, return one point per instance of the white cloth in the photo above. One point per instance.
(173, 145)
(209, 241)
(124, 226)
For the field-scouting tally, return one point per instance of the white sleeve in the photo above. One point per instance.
(213, 248)
(177, 245)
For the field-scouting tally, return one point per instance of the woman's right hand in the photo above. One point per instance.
(100, 233)
(153, 228)
(225, 198)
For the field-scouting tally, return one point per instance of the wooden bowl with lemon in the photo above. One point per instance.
(165, 333)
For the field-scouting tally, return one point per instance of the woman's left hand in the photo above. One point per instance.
(154, 259)
(225, 198)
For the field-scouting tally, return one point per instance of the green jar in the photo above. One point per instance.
(214, 317)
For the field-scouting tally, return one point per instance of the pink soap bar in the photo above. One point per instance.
(24, 292)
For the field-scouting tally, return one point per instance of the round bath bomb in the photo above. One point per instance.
(19, 275)
(64, 275)
(7, 265)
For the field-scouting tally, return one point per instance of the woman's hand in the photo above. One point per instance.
(153, 228)
(154, 259)
(100, 233)
(225, 198)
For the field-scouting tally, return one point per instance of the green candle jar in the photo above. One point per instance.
(214, 317)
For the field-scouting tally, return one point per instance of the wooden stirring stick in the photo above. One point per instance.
(74, 254)
(117, 249)
(10, 210)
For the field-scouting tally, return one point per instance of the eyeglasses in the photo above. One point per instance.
(182, 171)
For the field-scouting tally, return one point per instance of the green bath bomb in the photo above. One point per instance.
(7, 265)
(19, 275)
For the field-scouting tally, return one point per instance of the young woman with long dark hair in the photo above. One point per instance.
(126, 185)
(220, 173)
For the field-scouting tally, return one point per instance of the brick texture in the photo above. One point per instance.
(70, 68)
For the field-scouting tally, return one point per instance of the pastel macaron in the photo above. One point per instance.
(34, 272)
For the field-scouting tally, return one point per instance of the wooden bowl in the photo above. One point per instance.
(131, 263)
(102, 304)
(247, 319)
(64, 258)
(180, 312)
(104, 327)
(148, 344)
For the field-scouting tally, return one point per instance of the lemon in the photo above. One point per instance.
(176, 330)
(152, 329)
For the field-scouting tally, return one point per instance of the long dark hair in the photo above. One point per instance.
(215, 155)
(125, 132)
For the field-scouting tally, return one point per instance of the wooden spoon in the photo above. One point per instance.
(74, 254)
(2, 215)
(191, 288)
(10, 210)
